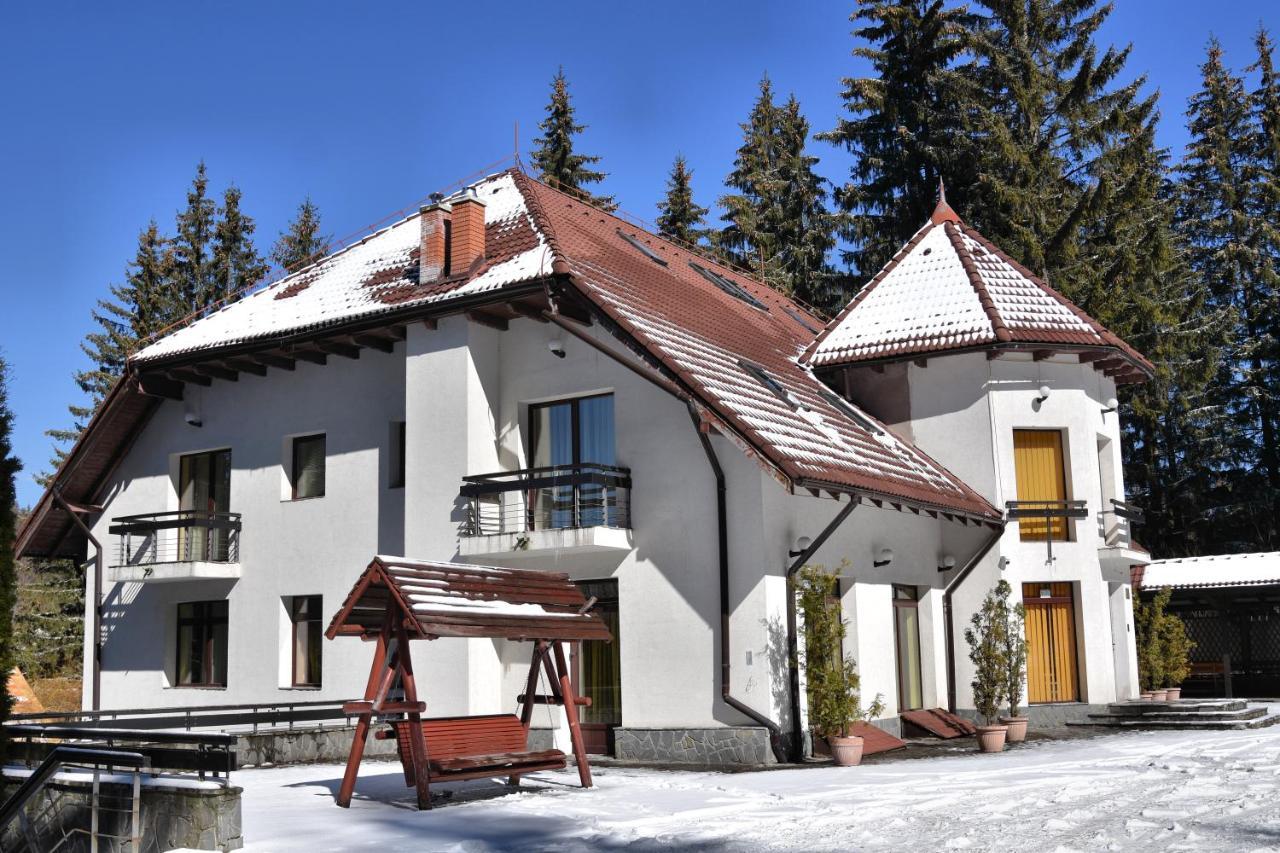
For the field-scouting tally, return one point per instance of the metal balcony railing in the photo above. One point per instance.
(1045, 521)
(551, 498)
(181, 536)
(1115, 523)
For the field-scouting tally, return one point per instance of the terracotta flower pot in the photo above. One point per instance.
(1146, 696)
(1159, 695)
(1173, 694)
(1017, 728)
(847, 751)
(991, 738)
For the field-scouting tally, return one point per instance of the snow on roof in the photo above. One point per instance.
(1259, 569)
(949, 288)
(376, 275)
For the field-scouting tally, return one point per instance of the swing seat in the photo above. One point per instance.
(479, 747)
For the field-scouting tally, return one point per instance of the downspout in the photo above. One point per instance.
(793, 631)
(947, 617)
(96, 646)
(722, 530)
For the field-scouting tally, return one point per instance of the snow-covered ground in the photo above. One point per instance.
(1131, 791)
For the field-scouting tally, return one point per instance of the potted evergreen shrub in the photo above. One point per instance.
(1148, 616)
(1012, 617)
(1176, 648)
(831, 677)
(986, 640)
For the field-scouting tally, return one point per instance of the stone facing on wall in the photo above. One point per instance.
(1046, 716)
(60, 814)
(720, 747)
(306, 746)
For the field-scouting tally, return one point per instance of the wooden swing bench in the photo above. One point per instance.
(397, 600)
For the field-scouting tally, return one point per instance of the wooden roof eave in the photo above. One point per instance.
(993, 349)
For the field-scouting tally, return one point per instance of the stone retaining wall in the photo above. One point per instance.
(59, 816)
(720, 747)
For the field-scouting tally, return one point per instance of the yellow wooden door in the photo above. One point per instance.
(1037, 463)
(1051, 643)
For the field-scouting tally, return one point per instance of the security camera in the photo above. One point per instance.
(193, 420)
(557, 347)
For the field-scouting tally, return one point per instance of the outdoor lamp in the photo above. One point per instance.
(1044, 393)
(557, 347)
(948, 563)
(886, 557)
(802, 545)
(1112, 405)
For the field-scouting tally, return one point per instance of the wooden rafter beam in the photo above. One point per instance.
(1109, 364)
(375, 342)
(313, 356)
(1093, 355)
(189, 376)
(1042, 355)
(217, 372)
(159, 385)
(431, 323)
(920, 362)
(484, 318)
(339, 348)
(245, 365)
(531, 312)
(277, 361)
(993, 354)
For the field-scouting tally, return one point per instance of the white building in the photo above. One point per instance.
(512, 377)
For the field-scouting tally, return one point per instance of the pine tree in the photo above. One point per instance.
(778, 225)
(680, 217)
(557, 163)
(192, 262)
(1216, 216)
(302, 243)
(48, 618)
(235, 261)
(141, 307)
(1051, 124)
(9, 467)
(905, 125)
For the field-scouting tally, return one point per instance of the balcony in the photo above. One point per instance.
(1045, 521)
(1117, 553)
(174, 546)
(584, 508)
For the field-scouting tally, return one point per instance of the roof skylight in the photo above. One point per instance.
(768, 381)
(728, 286)
(844, 406)
(642, 248)
(799, 318)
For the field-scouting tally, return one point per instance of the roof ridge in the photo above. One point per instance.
(1002, 333)
(1108, 336)
(862, 294)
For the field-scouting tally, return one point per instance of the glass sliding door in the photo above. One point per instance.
(906, 629)
(566, 438)
(204, 487)
(598, 672)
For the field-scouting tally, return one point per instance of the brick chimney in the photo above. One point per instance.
(467, 232)
(433, 251)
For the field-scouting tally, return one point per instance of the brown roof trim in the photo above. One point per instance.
(1003, 335)
(933, 349)
(862, 294)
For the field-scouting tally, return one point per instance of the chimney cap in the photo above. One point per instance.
(468, 194)
(435, 205)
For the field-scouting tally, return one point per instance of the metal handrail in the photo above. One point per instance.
(1127, 511)
(177, 536)
(57, 757)
(193, 716)
(552, 497)
(545, 477)
(181, 518)
(1046, 509)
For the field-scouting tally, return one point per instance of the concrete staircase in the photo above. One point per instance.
(1221, 714)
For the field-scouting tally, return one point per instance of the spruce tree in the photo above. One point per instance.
(905, 125)
(9, 467)
(192, 262)
(1050, 126)
(48, 618)
(557, 163)
(143, 306)
(1217, 218)
(680, 217)
(302, 243)
(778, 224)
(236, 264)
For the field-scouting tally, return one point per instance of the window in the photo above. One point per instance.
(1041, 480)
(396, 474)
(308, 467)
(768, 381)
(202, 644)
(799, 318)
(304, 613)
(204, 490)
(573, 435)
(642, 248)
(728, 285)
(848, 408)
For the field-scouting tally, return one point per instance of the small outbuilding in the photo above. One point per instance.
(397, 600)
(1230, 604)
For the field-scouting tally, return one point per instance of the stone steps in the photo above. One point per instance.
(1225, 714)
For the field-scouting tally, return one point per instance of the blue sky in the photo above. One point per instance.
(369, 107)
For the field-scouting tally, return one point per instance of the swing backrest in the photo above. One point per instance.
(455, 737)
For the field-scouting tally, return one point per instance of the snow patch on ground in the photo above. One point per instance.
(1129, 791)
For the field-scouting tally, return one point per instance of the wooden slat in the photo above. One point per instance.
(1040, 476)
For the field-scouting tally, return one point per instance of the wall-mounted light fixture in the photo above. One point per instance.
(1044, 393)
(1004, 563)
(557, 347)
(1112, 405)
(948, 563)
(886, 557)
(802, 545)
